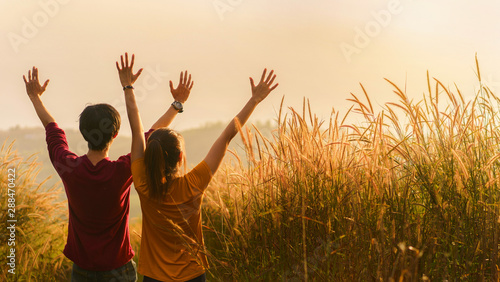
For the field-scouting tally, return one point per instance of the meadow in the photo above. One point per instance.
(409, 193)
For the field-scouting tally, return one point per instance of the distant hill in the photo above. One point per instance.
(31, 142)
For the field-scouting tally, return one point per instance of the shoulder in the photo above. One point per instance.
(125, 160)
(203, 168)
(199, 176)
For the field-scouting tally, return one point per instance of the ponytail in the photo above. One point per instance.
(155, 168)
(161, 158)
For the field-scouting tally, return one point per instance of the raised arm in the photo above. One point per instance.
(35, 90)
(180, 94)
(127, 79)
(259, 93)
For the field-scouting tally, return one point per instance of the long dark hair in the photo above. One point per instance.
(161, 159)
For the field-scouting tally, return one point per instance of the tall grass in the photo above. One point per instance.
(410, 193)
(41, 223)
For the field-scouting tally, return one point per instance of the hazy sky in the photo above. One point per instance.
(319, 49)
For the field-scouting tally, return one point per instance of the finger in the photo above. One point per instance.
(138, 73)
(45, 84)
(252, 83)
(171, 86)
(180, 80)
(24, 78)
(185, 77)
(191, 86)
(117, 67)
(189, 81)
(132, 62)
(272, 80)
(35, 73)
(269, 76)
(263, 75)
(126, 59)
(274, 87)
(123, 64)
(29, 75)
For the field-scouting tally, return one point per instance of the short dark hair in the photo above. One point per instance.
(99, 123)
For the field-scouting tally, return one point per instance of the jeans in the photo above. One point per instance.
(127, 272)
(201, 278)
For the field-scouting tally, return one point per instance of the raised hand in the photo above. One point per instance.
(181, 93)
(33, 87)
(127, 77)
(261, 90)
(259, 93)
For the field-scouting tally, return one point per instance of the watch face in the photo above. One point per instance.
(177, 105)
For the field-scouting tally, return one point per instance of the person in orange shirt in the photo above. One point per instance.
(172, 247)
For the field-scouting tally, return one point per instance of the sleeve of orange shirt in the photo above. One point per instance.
(200, 176)
(139, 176)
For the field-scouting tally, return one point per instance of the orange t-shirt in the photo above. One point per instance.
(172, 247)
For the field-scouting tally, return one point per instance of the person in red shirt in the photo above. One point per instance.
(98, 189)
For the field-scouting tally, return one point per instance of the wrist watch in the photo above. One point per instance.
(178, 106)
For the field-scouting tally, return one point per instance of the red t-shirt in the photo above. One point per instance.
(98, 203)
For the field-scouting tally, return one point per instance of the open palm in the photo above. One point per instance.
(265, 86)
(181, 93)
(33, 87)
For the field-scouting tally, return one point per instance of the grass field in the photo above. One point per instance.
(41, 227)
(410, 193)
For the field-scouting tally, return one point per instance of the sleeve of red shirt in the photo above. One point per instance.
(126, 158)
(61, 157)
(146, 135)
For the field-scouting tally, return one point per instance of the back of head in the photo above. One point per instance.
(161, 159)
(99, 124)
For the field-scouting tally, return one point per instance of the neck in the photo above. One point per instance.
(96, 156)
